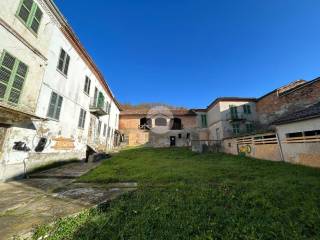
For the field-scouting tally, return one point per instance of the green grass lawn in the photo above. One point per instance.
(185, 195)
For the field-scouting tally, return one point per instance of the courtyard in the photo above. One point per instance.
(186, 195)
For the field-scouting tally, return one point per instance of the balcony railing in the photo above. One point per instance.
(238, 117)
(145, 127)
(99, 107)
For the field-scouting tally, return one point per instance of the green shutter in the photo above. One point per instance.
(25, 10)
(55, 106)
(82, 118)
(66, 66)
(12, 76)
(58, 109)
(234, 112)
(36, 19)
(52, 104)
(30, 14)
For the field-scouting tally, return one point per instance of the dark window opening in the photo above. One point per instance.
(161, 122)
(295, 134)
(188, 135)
(176, 124)
(145, 123)
(312, 133)
(179, 135)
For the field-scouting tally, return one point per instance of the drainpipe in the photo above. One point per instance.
(280, 146)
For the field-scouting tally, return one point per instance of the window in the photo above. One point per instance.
(179, 135)
(63, 63)
(176, 124)
(161, 122)
(99, 128)
(295, 134)
(109, 108)
(312, 133)
(30, 14)
(87, 85)
(104, 130)
(55, 106)
(234, 112)
(247, 109)
(82, 118)
(12, 76)
(108, 134)
(204, 123)
(218, 133)
(188, 135)
(249, 127)
(236, 128)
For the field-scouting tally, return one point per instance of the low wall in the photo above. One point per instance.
(263, 146)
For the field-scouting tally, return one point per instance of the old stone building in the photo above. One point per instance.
(159, 127)
(54, 101)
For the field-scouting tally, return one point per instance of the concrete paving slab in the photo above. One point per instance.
(49, 195)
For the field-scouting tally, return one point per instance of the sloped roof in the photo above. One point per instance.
(145, 111)
(308, 113)
(291, 87)
(231, 99)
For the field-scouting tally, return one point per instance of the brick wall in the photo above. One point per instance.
(272, 106)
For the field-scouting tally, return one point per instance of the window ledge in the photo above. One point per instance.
(62, 73)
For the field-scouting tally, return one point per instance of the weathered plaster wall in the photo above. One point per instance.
(41, 54)
(307, 153)
(218, 118)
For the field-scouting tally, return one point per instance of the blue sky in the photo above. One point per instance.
(188, 52)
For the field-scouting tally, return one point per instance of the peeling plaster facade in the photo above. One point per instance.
(28, 121)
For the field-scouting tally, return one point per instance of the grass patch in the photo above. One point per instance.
(185, 195)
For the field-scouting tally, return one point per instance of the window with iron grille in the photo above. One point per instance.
(63, 63)
(55, 106)
(247, 109)
(87, 85)
(82, 118)
(13, 74)
(30, 14)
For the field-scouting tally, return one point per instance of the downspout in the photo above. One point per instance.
(280, 146)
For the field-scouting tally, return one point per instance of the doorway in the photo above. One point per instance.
(172, 141)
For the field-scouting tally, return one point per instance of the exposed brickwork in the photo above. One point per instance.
(272, 106)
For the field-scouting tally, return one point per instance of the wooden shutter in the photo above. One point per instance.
(61, 60)
(25, 10)
(58, 109)
(35, 22)
(52, 104)
(12, 76)
(66, 66)
(5, 73)
(17, 83)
